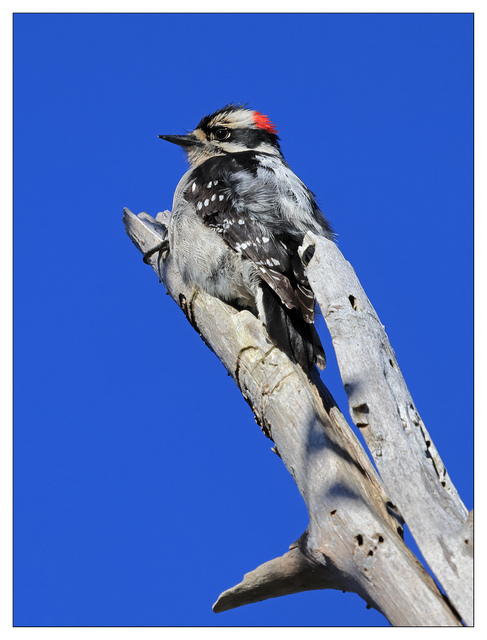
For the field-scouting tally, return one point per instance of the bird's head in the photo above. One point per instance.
(229, 130)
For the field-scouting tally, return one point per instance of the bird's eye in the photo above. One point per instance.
(222, 134)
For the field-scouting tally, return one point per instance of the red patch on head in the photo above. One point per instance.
(263, 122)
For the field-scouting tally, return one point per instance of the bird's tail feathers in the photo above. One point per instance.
(290, 333)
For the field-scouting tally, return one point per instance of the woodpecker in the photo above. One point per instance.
(239, 215)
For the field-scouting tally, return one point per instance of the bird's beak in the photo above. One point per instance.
(183, 141)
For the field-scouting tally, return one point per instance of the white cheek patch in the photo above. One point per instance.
(232, 147)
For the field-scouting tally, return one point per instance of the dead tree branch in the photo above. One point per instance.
(381, 406)
(353, 541)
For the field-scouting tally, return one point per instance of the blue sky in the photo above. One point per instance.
(142, 486)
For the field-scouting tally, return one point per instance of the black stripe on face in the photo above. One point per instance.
(249, 138)
(252, 138)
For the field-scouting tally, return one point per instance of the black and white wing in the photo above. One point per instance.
(215, 190)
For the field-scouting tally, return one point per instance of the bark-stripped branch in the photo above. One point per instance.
(381, 406)
(353, 541)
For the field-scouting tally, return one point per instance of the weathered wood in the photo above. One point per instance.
(353, 540)
(381, 406)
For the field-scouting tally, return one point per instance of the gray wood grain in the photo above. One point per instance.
(353, 541)
(382, 407)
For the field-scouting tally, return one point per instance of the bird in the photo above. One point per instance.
(239, 216)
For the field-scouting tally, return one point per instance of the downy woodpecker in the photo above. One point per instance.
(239, 215)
